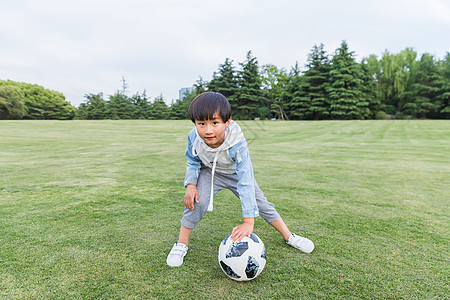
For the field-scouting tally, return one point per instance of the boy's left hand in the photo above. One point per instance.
(243, 230)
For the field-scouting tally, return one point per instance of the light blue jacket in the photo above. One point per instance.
(232, 157)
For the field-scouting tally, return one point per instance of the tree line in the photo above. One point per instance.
(336, 87)
(331, 87)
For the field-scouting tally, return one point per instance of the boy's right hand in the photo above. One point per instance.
(190, 196)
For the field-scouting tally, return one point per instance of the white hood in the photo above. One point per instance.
(233, 135)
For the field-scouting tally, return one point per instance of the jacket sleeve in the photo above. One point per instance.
(193, 161)
(245, 186)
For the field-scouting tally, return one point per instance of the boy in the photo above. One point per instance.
(217, 158)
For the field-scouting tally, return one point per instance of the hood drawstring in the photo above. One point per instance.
(210, 206)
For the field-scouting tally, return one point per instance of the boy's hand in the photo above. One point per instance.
(190, 196)
(243, 230)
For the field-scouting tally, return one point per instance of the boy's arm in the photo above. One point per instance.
(245, 185)
(192, 169)
(246, 190)
(193, 162)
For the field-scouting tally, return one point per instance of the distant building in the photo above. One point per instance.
(183, 91)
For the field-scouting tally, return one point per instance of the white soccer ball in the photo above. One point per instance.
(243, 261)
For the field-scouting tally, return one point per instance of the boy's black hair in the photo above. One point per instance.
(206, 104)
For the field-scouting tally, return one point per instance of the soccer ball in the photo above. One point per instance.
(243, 261)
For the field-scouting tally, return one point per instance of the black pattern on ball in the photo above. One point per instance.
(236, 250)
(252, 267)
(225, 239)
(228, 270)
(254, 238)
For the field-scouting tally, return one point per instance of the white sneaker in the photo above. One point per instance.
(176, 255)
(301, 243)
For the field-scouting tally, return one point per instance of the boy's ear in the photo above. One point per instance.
(228, 122)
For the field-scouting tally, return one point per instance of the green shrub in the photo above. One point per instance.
(381, 115)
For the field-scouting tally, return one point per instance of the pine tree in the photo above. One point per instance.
(426, 85)
(93, 108)
(140, 106)
(369, 104)
(292, 90)
(293, 97)
(315, 84)
(345, 89)
(200, 86)
(224, 81)
(444, 93)
(119, 106)
(178, 110)
(249, 97)
(159, 109)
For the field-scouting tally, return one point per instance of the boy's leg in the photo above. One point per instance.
(268, 212)
(180, 248)
(185, 233)
(281, 227)
(191, 218)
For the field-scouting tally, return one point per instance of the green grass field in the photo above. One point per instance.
(90, 209)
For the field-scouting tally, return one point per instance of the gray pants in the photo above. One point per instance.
(223, 181)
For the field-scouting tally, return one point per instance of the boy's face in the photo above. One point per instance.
(212, 131)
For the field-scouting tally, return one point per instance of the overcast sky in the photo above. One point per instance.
(86, 46)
